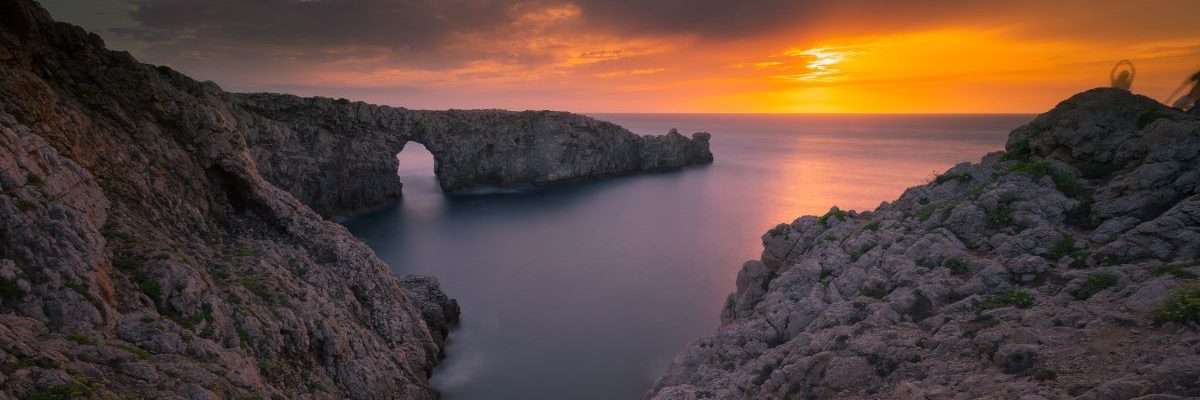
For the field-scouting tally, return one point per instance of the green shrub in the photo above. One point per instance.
(1095, 284)
(1181, 305)
(137, 351)
(257, 288)
(111, 234)
(1125, 258)
(781, 229)
(80, 338)
(1015, 298)
(1178, 270)
(1019, 151)
(126, 262)
(88, 296)
(36, 181)
(956, 176)
(1002, 215)
(1081, 216)
(924, 213)
(957, 266)
(25, 205)
(150, 288)
(866, 247)
(873, 292)
(873, 226)
(834, 213)
(1065, 183)
(1066, 247)
(10, 292)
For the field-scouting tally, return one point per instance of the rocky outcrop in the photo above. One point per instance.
(339, 156)
(1064, 267)
(143, 254)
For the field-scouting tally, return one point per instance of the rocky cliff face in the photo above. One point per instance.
(1064, 267)
(338, 156)
(142, 253)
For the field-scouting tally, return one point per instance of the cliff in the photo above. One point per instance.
(142, 254)
(340, 156)
(1063, 267)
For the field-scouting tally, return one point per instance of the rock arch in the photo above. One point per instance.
(339, 156)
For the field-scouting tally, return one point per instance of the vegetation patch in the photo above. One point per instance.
(25, 205)
(1124, 258)
(781, 229)
(1013, 298)
(253, 285)
(1176, 269)
(1065, 183)
(111, 234)
(952, 176)
(924, 213)
(873, 292)
(1081, 216)
(834, 213)
(89, 297)
(1066, 247)
(1095, 284)
(1002, 216)
(957, 266)
(137, 351)
(10, 292)
(866, 247)
(873, 226)
(1181, 305)
(1019, 151)
(80, 338)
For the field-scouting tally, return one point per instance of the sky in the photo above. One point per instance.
(765, 56)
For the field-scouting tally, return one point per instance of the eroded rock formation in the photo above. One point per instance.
(339, 156)
(142, 254)
(1064, 267)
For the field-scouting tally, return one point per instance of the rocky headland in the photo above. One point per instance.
(1063, 267)
(161, 238)
(339, 156)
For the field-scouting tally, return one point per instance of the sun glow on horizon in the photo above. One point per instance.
(836, 57)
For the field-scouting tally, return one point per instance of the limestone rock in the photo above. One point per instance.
(1033, 274)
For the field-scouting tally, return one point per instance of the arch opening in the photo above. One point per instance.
(415, 168)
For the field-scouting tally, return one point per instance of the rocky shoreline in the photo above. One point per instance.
(161, 238)
(1064, 267)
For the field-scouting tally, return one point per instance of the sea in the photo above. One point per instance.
(588, 290)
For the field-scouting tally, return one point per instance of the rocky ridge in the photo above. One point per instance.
(1064, 267)
(339, 156)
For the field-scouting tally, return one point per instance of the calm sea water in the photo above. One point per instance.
(587, 290)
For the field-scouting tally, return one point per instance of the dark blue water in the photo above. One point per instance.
(587, 290)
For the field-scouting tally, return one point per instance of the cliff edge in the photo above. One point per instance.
(1064, 267)
(142, 253)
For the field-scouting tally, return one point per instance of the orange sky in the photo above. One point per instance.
(769, 56)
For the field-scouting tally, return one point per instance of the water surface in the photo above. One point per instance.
(587, 290)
